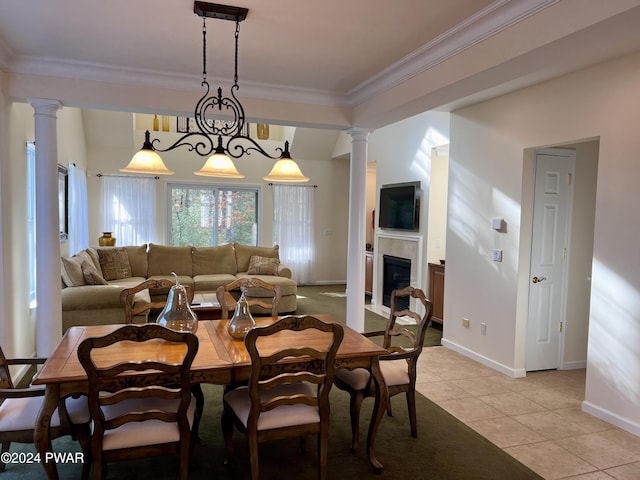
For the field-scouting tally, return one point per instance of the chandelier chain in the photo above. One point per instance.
(235, 76)
(204, 49)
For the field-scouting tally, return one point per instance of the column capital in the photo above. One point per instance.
(45, 106)
(359, 134)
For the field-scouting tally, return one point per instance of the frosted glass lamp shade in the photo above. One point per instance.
(147, 161)
(286, 170)
(219, 165)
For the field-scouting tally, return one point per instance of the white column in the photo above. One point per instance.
(48, 291)
(357, 229)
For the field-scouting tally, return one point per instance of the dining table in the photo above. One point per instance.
(221, 359)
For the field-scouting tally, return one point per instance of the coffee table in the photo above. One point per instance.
(205, 305)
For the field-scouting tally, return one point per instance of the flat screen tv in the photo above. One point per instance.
(400, 206)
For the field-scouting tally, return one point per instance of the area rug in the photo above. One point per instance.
(445, 449)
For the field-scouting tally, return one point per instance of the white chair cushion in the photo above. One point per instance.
(358, 378)
(286, 416)
(22, 413)
(151, 432)
(395, 372)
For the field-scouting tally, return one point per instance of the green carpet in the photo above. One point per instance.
(445, 448)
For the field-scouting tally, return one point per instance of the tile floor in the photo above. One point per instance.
(536, 419)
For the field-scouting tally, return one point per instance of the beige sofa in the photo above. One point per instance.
(93, 279)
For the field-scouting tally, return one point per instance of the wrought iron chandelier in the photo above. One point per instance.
(208, 139)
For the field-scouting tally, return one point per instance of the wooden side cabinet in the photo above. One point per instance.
(368, 273)
(436, 291)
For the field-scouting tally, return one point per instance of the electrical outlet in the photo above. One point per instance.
(465, 322)
(483, 328)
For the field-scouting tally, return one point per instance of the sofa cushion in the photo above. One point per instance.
(114, 263)
(209, 283)
(214, 260)
(166, 259)
(138, 260)
(263, 265)
(288, 286)
(71, 268)
(245, 252)
(91, 275)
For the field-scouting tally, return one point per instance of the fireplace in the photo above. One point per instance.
(396, 274)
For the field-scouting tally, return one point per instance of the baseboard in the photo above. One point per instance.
(511, 372)
(611, 418)
(576, 365)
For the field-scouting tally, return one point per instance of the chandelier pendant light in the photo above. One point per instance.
(212, 133)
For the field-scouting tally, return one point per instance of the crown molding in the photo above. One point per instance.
(493, 19)
(497, 17)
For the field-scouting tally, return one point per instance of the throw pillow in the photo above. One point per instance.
(91, 275)
(114, 263)
(72, 272)
(263, 265)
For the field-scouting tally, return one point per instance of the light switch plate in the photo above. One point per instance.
(496, 255)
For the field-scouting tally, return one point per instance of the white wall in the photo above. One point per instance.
(488, 144)
(403, 152)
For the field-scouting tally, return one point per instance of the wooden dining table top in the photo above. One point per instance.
(219, 356)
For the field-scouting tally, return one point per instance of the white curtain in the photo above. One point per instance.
(293, 229)
(128, 209)
(78, 217)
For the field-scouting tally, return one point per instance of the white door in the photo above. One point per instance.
(550, 240)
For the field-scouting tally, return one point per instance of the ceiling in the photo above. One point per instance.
(378, 60)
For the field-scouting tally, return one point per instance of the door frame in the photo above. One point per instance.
(578, 294)
(570, 155)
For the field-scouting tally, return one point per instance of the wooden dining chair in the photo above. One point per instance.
(152, 414)
(261, 303)
(398, 366)
(20, 408)
(133, 308)
(284, 398)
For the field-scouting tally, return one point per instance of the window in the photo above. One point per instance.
(207, 215)
(31, 219)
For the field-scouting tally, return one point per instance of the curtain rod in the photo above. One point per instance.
(294, 185)
(127, 176)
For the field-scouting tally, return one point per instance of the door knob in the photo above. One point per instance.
(538, 279)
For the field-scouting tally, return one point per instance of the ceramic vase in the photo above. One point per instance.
(106, 240)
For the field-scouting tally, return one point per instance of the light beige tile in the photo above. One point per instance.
(625, 472)
(550, 398)
(587, 422)
(599, 475)
(549, 460)
(599, 450)
(512, 403)
(439, 391)
(505, 432)
(550, 424)
(480, 386)
(622, 438)
(469, 409)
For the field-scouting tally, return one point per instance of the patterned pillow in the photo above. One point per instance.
(91, 275)
(114, 263)
(263, 265)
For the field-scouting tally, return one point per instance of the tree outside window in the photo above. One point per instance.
(206, 215)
